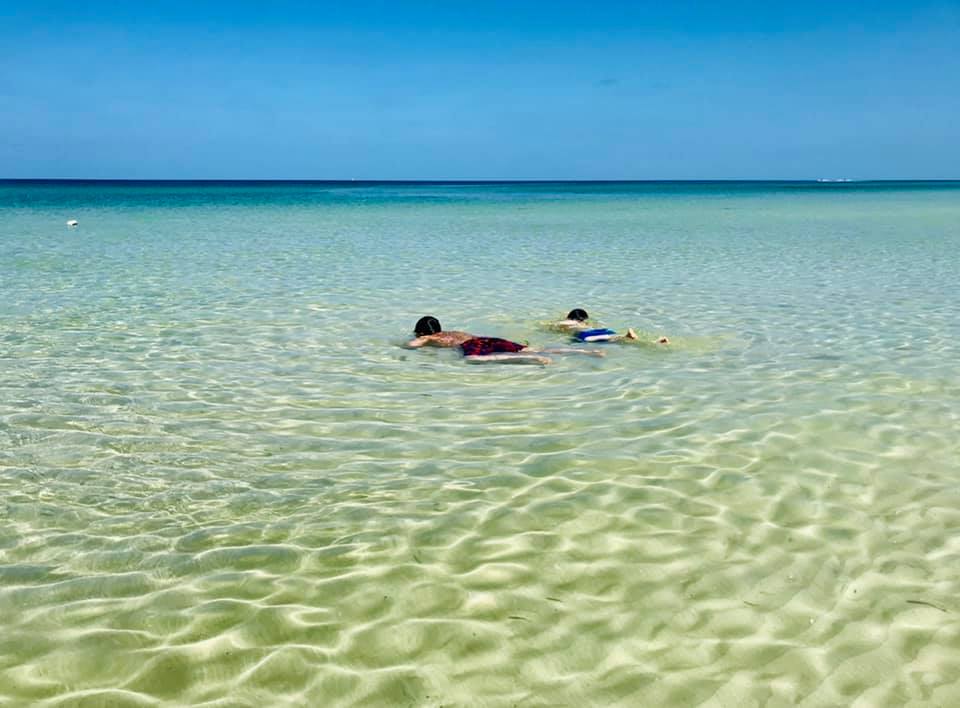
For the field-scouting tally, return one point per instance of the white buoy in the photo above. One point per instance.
(72, 223)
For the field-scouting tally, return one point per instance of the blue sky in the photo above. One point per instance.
(480, 90)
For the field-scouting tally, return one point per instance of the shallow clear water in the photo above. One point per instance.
(224, 482)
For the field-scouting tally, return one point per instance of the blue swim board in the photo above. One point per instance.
(595, 335)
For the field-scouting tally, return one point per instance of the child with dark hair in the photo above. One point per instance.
(429, 333)
(576, 323)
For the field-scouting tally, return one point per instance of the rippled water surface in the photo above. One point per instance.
(223, 481)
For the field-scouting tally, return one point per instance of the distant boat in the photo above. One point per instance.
(72, 223)
(834, 179)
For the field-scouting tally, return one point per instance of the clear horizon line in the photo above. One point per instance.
(809, 180)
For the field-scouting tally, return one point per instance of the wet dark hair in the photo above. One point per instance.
(578, 315)
(427, 325)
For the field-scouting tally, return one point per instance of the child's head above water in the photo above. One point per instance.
(426, 326)
(578, 315)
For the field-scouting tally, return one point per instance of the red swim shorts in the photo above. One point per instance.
(479, 346)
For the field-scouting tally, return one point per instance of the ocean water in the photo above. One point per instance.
(224, 481)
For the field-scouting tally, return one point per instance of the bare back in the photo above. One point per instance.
(441, 339)
(569, 325)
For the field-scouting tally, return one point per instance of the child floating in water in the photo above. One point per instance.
(429, 333)
(576, 323)
(482, 349)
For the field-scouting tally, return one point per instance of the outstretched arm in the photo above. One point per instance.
(417, 343)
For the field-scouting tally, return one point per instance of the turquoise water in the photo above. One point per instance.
(223, 481)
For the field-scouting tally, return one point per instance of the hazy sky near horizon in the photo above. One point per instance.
(480, 90)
